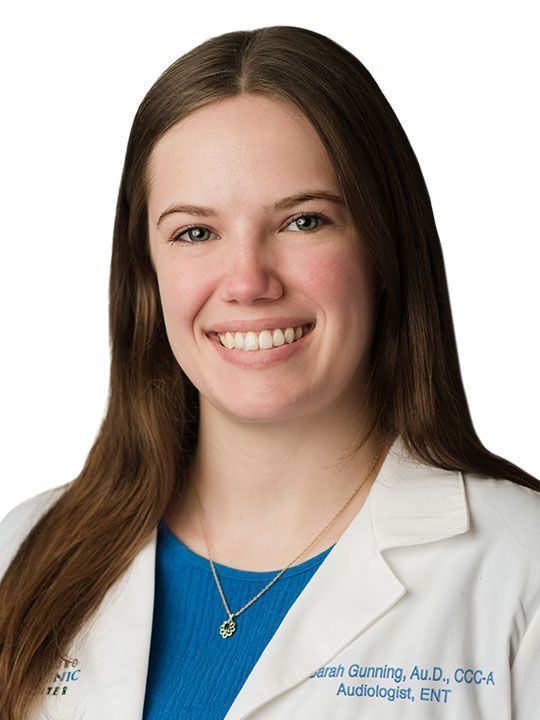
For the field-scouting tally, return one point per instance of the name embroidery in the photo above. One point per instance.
(421, 684)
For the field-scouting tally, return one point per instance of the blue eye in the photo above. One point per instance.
(196, 231)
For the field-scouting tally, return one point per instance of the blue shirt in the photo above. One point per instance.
(194, 673)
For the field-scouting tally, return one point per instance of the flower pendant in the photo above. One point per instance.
(227, 628)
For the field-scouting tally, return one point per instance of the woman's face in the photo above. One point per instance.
(248, 260)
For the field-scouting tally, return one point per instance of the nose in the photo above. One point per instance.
(252, 271)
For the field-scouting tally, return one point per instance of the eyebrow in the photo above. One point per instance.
(283, 204)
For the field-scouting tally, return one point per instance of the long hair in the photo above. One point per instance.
(137, 464)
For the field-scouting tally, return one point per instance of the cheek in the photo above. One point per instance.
(181, 292)
(333, 278)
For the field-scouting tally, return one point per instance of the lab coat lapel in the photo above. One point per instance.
(408, 504)
(116, 643)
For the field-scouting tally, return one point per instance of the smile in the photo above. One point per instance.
(264, 357)
(265, 340)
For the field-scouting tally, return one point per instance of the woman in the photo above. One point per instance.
(287, 512)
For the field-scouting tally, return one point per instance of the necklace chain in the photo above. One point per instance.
(228, 627)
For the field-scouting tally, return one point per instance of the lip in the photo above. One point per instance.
(257, 325)
(261, 358)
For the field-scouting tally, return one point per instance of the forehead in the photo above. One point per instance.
(242, 150)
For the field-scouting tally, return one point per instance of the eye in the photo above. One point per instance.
(318, 216)
(196, 232)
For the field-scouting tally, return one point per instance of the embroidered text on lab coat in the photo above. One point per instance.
(420, 684)
(64, 678)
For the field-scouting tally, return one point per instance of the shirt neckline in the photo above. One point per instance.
(186, 553)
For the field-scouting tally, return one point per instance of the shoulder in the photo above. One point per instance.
(505, 529)
(18, 522)
(505, 509)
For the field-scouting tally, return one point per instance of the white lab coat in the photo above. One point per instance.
(427, 607)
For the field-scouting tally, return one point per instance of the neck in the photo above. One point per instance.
(265, 495)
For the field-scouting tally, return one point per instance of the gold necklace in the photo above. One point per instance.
(228, 627)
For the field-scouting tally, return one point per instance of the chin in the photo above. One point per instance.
(256, 412)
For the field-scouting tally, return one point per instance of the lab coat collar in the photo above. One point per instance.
(408, 504)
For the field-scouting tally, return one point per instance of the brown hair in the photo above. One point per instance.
(137, 464)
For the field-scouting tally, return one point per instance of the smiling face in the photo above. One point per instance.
(247, 258)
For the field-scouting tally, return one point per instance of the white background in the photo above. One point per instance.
(463, 80)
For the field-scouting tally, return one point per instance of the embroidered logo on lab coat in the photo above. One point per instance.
(432, 684)
(65, 677)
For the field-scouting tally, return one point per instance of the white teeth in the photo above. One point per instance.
(264, 340)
